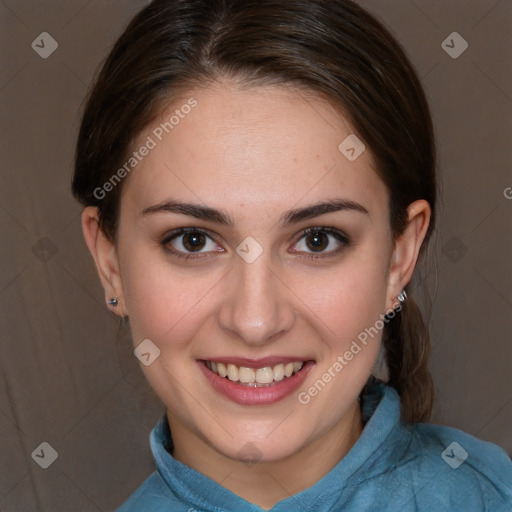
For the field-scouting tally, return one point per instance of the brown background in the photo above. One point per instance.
(69, 380)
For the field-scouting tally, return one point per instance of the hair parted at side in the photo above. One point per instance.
(333, 48)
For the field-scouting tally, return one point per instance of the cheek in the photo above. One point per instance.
(347, 299)
(165, 301)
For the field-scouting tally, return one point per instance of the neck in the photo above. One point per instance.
(266, 483)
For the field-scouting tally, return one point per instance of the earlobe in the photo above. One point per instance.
(407, 248)
(105, 258)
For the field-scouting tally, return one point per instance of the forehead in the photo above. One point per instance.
(226, 143)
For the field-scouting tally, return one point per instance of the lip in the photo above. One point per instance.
(246, 395)
(256, 363)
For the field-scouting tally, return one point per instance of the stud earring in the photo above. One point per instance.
(402, 296)
(113, 301)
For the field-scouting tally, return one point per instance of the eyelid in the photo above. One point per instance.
(176, 233)
(343, 239)
(337, 233)
(340, 236)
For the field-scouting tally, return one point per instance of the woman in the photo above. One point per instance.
(259, 182)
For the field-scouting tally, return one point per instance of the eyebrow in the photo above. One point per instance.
(288, 218)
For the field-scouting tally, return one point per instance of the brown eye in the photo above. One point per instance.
(188, 242)
(317, 241)
(321, 242)
(193, 241)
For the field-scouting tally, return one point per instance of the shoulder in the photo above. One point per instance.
(153, 494)
(455, 469)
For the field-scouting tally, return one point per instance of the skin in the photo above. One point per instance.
(256, 153)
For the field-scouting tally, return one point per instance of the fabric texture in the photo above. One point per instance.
(392, 467)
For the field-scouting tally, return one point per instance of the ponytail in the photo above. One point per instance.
(407, 345)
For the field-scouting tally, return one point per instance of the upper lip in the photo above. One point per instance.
(256, 363)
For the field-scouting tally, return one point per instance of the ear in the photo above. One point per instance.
(105, 257)
(406, 250)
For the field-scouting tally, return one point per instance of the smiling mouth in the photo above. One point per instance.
(255, 377)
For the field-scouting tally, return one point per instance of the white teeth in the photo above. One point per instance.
(264, 375)
(296, 367)
(255, 376)
(232, 372)
(222, 370)
(246, 375)
(278, 372)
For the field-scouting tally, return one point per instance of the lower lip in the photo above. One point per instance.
(247, 395)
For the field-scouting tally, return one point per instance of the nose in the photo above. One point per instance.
(257, 306)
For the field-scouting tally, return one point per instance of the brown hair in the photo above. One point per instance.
(333, 48)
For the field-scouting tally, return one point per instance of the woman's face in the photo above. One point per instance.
(245, 172)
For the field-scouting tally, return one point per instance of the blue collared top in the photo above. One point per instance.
(393, 467)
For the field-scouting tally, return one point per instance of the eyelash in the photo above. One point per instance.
(338, 235)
